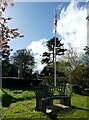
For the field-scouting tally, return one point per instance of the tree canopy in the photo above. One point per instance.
(24, 61)
(48, 57)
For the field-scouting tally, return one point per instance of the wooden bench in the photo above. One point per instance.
(65, 100)
(45, 97)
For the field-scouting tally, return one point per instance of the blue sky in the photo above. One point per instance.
(35, 21)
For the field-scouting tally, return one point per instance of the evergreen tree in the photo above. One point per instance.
(48, 57)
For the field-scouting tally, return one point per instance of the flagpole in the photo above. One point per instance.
(55, 28)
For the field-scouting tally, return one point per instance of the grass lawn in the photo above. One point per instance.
(21, 104)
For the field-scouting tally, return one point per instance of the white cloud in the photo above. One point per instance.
(38, 47)
(72, 26)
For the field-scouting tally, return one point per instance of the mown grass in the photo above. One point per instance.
(79, 108)
(21, 104)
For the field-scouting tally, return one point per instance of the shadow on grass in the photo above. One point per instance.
(78, 108)
(7, 99)
(52, 116)
(62, 112)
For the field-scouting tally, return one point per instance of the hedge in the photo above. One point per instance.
(19, 82)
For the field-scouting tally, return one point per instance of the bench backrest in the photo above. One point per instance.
(44, 90)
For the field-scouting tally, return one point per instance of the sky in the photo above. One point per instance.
(35, 21)
(49, 0)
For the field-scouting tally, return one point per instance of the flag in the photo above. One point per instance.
(87, 18)
(55, 21)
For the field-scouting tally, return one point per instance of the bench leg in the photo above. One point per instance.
(38, 104)
(43, 106)
(66, 101)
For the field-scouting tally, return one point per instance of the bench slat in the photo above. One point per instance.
(54, 97)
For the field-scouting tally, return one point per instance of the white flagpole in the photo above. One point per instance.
(55, 27)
